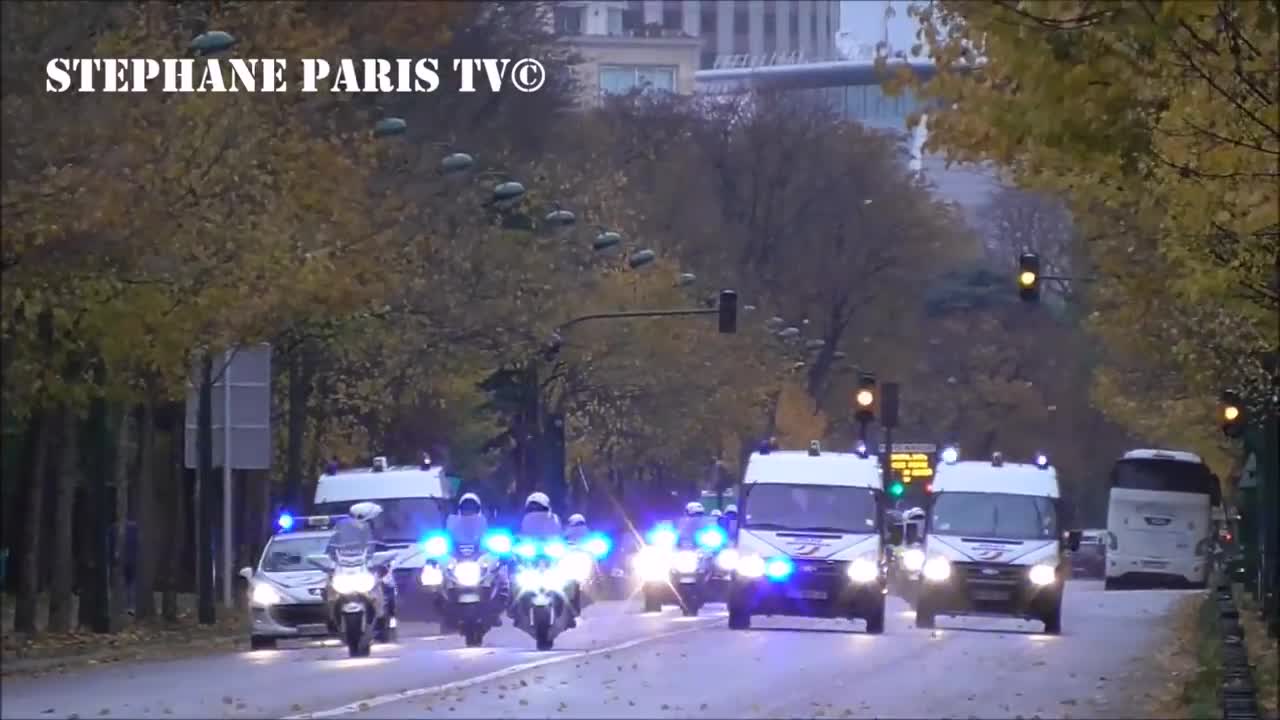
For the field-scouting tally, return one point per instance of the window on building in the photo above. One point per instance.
(615, 21)
(771, 20)
(632, 21)
(622, 79)
(569, 20)
(673, 19)
(708, 19)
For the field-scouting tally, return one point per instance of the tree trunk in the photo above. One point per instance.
(24, 618)
(301, 369)
(61, 619)
(176, 524)
(119, 597)
(147, 535)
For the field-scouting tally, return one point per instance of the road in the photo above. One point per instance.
(622, 663)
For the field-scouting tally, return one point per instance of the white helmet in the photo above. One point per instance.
(538, 499)
(577, 519)
(365, 511)
(716, 513)
(694, 508)
(731, 509)
(470, 497)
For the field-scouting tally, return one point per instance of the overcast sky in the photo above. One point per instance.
(862, 21)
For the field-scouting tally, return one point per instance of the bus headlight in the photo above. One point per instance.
(1043, 575)
(750, 566)
(651, 564)
(467, 573)
(937, 569)
(863, 570)
(686, 561)
(264, 594)
(913, 559)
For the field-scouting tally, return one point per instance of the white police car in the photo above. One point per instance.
(286, 592)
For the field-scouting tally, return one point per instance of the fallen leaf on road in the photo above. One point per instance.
(524, 683)
(226, 700)
(703, 706)
(1068, 702)
(632, 703)
(363, 706)
(295, 707)
(523, 701)
(666, 706)
(1038, 663)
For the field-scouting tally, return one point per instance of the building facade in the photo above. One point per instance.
(660, 44)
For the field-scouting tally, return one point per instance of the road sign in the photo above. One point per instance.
(928, 448)
(248, 435)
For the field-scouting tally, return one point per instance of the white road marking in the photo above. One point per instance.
(369, 703)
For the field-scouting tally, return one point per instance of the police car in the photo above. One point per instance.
(809, 540)
(287, 592)
(992, 542)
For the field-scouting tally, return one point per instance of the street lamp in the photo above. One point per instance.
(560, 218)
(212, 43)
(641, 258)
(606, 240)
(686, 279)
(388, 127)
(789, 333)
(456, 163)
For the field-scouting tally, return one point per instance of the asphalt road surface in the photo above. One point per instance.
(622, 663)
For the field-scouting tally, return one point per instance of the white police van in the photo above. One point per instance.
(415, 502)
(810, 538)
(992, 542)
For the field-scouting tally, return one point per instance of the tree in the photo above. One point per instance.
(1158, 123)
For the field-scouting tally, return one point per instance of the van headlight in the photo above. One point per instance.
(1043, 574)
(354, 583)
(863, 570)
(913, 559)
(467, 573)
(264, 594)
(686, 561)
(651, 564)
(727, 559)
(937, 568)
(750, 566)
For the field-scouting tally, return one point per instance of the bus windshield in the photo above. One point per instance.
(402, 519)
(1166, 476)
(995, 515)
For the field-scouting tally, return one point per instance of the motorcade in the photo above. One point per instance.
(415, 500)
(1161, 516)
(992, 542)
(677, 568)
(810, 541)
(286, 591)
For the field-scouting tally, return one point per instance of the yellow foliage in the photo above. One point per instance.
(798, 421)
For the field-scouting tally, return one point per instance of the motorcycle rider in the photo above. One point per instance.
(355, 533)
(729, 521)
(577, 529)
(538, 520)
(468, 527)
(695, 518)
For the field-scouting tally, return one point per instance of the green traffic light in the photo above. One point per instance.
(896, 489)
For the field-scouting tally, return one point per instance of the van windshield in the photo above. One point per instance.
(995, 515)
(830, 508)
(402, 519)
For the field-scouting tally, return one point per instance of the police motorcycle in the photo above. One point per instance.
(471, 579)
(547, 583)
(678, 568)
(592, 547)
(357, 595)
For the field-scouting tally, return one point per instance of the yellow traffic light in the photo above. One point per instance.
(1230, 413)
(865, 398)
(1027, 279)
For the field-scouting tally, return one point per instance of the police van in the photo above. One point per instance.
(810, 538)
(415, 502)
(992, 542)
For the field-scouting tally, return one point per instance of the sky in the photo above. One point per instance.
(861, 22)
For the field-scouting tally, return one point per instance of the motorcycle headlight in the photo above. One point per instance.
(913, 559)
(529, 579)
(686, 561)
(264, 594)
(863, 570)
(937, 568)
(1043, 575)
(576, 566)
(651, 564)
(727, 559)
(467, 573)
(750, 566)
(354, 583)
(431, 576)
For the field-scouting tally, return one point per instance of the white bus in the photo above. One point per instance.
(1160, 519)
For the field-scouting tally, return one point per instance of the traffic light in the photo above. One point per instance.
(1231, 414)
(728, 311)
(865, 397)
(1029, 277)
(896, 488)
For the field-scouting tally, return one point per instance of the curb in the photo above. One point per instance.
(1239, 694)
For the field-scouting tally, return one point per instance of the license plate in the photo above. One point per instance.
(688, 580)
(1154, 563)
(807, 594)
(990, 595)
(313, 629)
(469, 597)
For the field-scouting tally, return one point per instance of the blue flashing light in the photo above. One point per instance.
(950, 455)
(779, 568)
(436, 545)
(498, 542)
(598, 545)
(526, 550)
(861, 448)
(285, 522)
(554, 549)
(712, 538)
(663, 536)
(1042, 460)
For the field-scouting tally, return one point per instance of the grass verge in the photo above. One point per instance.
(1192, 663)
(1264, 656)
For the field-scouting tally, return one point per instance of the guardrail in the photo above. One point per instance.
(1238, 692)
